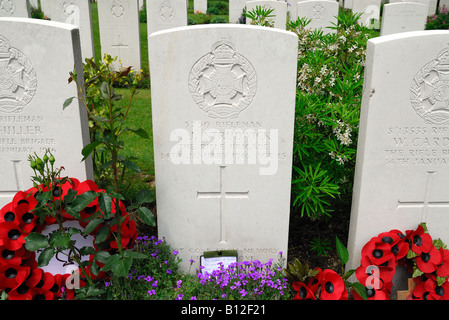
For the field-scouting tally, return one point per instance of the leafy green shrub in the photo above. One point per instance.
(330, 84)
(438, 21)
(218, 20)
(213, 10)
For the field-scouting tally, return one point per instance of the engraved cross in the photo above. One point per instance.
(222, 195)
(426, 204)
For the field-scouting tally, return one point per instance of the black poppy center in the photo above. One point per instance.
(57, 191)
(10, 273)
(9, 216)
(425, 256)
(302, 293)
(28, 218)
(329, 287)
(14, 234)
(387, 239)
(439, 291)
(377, 253)
(7, 254)
(417, 240)
(370, 292)
(90, 210)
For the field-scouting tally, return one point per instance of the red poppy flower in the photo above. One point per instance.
(332, 286)
(430, 290)
(13, 276)
(443, 267)
(315, 282)
(11, 236)
(303, 291)
(396, 240)
(420, 241)
(376, 287)
(427, 261)
(12, 258)
(377, 253)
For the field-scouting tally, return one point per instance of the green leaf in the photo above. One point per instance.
(118, 265)
(45, 257)
(131, 165)
(84, 199)
(87, 150)
(105, 203)
(140, 132)
(102, 256)
(342, 251)
(360, 289)
(60, 240)
(67, 102)
(147, 216)
(145, 196)
(102, 234)
(92, 225)
(85, 251)
(133, 254)
(35, 241)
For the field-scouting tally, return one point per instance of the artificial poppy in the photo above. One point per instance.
(376, 252)
(13, 258)
(332, 286)
(427, 261)
(396, 240)
(315, 281)
(443, 268)
(303, 291)
(13, 276)
(11, 236)
(420, 240)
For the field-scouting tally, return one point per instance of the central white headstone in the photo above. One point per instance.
(36, 57)
(166, 14)
(403, 17)
(402, 169)
(223, 115)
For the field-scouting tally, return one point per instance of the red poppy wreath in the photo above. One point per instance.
(426, 259)
(20, 276)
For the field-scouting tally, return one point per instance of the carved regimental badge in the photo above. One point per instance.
(429, 93)
(223, 82)
(117, 9)
(166, 11)
(18, 80)
(7, 6)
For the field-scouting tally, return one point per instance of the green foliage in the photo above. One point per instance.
(320, 246)
(296, 271)
(107, 118)
(438, 21)
(330, 84)
(261, 16)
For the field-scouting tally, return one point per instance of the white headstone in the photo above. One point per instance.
(370, 10)
(120, 31)
(46, 7)
(200, 6)
(166, 14)
(444, 3)
(403, 17)
(76, 12)
(279, 11)
(348, 4)
(15, 8)
(215, 192)
(322, 13)
(236, 9)
(432, 4)
(402, 171)
(36, 57)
